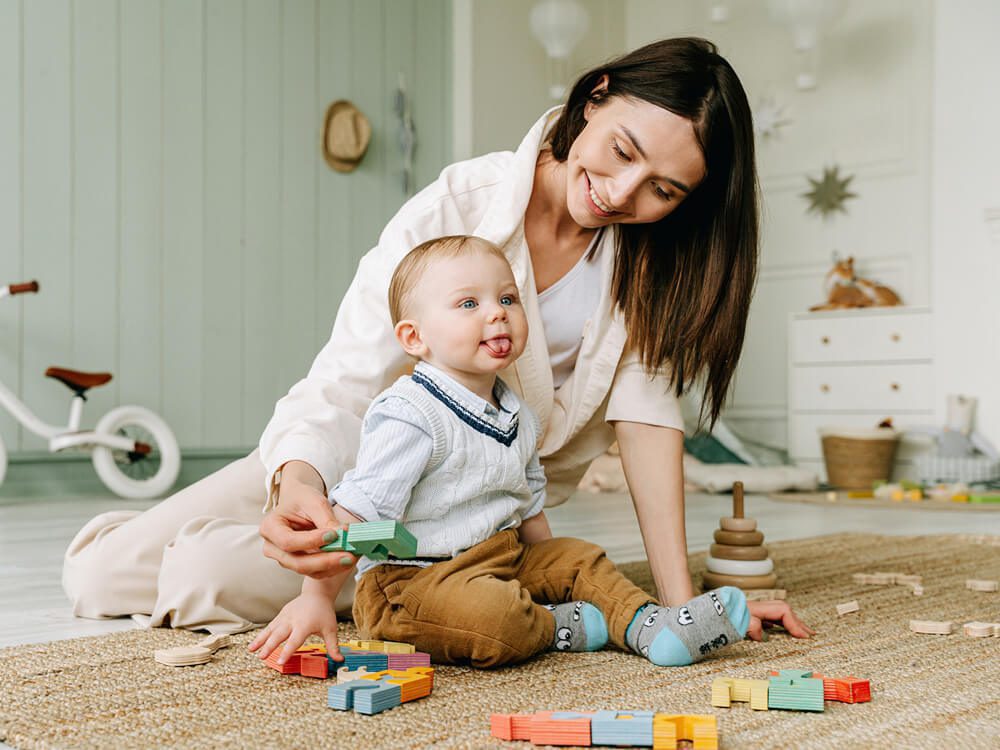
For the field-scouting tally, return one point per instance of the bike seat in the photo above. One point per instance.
(78, 382)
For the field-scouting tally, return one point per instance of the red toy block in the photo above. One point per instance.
(561, 728)
(854, 690)
(314, 665)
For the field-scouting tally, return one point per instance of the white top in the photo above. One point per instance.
(566, 306)
(450, 466)
(319, 421)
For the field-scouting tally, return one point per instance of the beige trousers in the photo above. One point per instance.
(193, 561)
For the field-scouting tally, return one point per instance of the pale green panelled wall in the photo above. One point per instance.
(160, 175)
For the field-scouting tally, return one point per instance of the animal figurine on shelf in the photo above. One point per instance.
(844, 289)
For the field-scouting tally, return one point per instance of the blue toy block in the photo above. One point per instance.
(384, 697)
(373, 661)
(343, 697)
(622, 728)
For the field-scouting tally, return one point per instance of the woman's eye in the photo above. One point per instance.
(660, 192)
(469, 304)
(618, 151)
(507, 299)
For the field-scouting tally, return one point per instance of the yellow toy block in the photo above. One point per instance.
(698, 728)
(385, 647)
(758, 695)
(721, 692)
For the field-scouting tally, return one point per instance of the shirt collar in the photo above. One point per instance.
(509, 404)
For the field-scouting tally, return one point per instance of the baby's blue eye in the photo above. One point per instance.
(469, 304)
(507, 300)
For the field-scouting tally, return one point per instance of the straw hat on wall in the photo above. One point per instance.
(346, 134)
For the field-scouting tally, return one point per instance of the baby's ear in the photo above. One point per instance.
(408, 336)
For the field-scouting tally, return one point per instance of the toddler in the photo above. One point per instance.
(450, 451)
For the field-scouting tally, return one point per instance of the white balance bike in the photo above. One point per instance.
(134, 452)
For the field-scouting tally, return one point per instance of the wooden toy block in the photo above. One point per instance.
(853, 690)
(763, 595)
(803, 694)
(700, 729)
(715, 580)
(561, 728)
(382, 690)
(314, 665)
(738, 538)
(622, 728)
(511, 726)
(373, 660)
(377, 540)
(722, 692)
(388, 647)
(345, 674)
(733, 552)
(932, 627)
(981, 629)
(343, 697)
(848, 607)
(974, 584)
(793, 674)
(907, 580)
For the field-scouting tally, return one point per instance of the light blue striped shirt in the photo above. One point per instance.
(446, 462)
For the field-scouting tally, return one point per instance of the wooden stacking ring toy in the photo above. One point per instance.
(739, 538)
(739, 567)
(733, 552)
(737, 524)
(714, 580)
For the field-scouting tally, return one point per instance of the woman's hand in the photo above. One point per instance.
(778, 612)
(306, 614)
(302, 523)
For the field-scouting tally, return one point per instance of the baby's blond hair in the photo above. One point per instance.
(411, 268)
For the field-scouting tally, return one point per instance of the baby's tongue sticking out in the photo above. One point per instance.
(498, 346)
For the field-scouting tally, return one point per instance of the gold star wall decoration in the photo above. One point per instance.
(829, 193)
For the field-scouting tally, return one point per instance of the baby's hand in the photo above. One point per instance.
(306, 614)
(775, 612)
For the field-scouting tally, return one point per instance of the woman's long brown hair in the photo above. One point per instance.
(684, 284)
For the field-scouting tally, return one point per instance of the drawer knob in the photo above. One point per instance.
(825, 340)
(894, 386)
(824, 388)
(895, 337)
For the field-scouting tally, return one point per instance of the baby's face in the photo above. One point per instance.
(469, 315)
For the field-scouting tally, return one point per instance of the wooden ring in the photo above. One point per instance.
(739, 567)
(714, 580)
(732, 552)
(739, 538)
(737, 524)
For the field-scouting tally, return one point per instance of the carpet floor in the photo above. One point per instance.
(928, 691)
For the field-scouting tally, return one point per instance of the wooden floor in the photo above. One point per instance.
(34, 534)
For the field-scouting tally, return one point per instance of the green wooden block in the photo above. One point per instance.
(990, 497)
(795, 694)
(375, 540)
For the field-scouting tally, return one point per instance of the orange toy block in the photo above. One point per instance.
(414, 683)
(294, 663)
(314, 665)
(560, 728)
(511, 726)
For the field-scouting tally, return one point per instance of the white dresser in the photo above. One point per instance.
(853, 368)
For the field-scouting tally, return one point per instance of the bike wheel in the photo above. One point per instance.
(134, 474)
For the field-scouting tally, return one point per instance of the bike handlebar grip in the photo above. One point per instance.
(28, 286)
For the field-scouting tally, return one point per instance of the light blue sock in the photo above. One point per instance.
(675, 637)
(580, 626)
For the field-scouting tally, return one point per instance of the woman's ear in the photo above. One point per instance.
(598, 92)
(408, 336)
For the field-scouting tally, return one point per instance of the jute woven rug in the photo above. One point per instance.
(928, 691)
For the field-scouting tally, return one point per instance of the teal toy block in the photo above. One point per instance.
(804, 694)
(375, 540)
(622, 728)
(793, 674)
(364, 696)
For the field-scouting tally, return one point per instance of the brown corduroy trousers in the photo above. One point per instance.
(484, 606)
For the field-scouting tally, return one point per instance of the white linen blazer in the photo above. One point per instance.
(319, 421)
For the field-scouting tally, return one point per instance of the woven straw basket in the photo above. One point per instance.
(855, 459)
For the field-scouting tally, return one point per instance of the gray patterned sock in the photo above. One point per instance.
(674, 637)
(580, 626)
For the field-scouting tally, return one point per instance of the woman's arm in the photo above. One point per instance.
(652, 458)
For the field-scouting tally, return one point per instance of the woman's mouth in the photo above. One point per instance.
(498, 347)
(594, 202)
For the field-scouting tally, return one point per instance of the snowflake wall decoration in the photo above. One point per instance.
(829, 193)
(768, 117)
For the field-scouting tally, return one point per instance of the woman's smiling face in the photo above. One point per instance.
(633, 163)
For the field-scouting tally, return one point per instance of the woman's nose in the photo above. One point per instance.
(622, 188)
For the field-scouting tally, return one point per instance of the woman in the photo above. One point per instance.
(630, 218)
